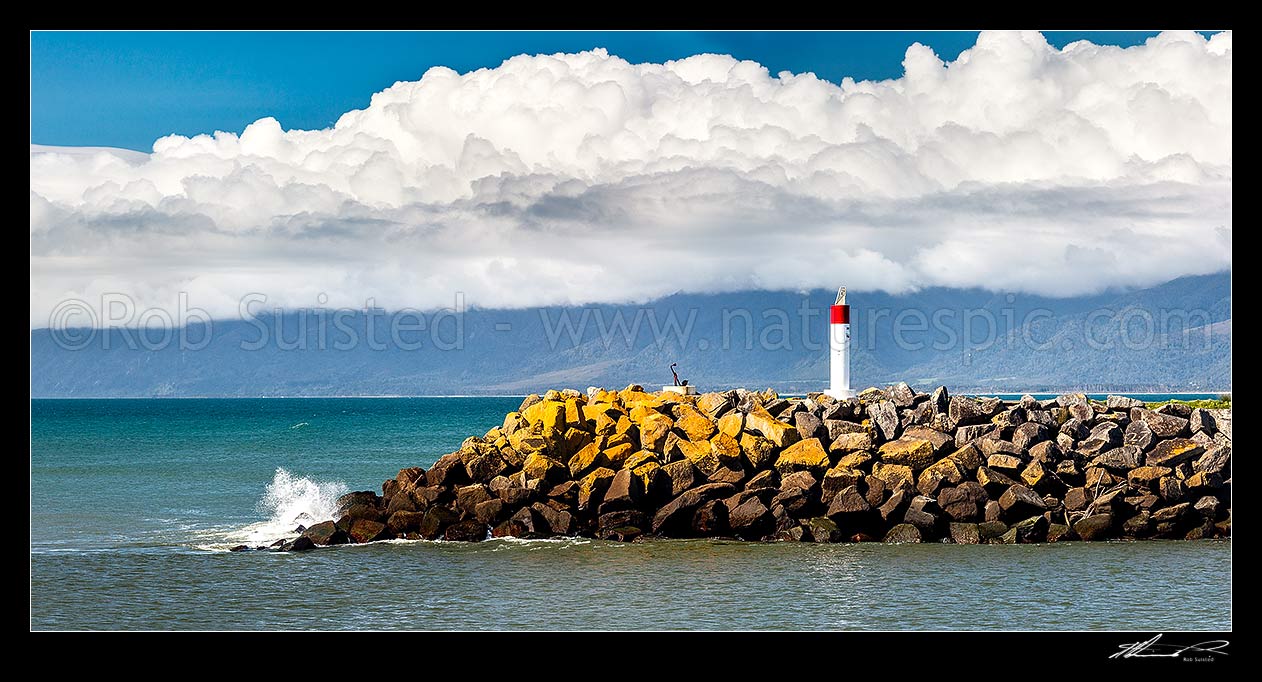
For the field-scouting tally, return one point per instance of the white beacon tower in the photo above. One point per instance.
(839, 348)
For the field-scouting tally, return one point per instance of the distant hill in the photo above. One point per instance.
(1172, 337)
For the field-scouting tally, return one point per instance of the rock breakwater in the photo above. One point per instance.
(891, 465)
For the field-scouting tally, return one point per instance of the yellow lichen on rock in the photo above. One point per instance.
(804, 455)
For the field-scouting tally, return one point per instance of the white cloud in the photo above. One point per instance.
(572, 178)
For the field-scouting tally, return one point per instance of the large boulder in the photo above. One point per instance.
(448, 471)
(1020, 502)
(916, 453)
(626, 491)
(364, 530)
(673, 517)
(963, 502)
(592, 487)
(758, 452)
(848, 507)
(1119, 459)
(558, 521)
(693, 425)
(964, 533)
(1162, 425)
(1173, 452)
(966, 411)
(400, 523)
(1139, 434)
(1094, 527)
(751, 519)
(469, 530)
(325, 533)
(885, 416)
(804, 455)
(525, 523)
(903, 533)
(758, 420)
(682, 476)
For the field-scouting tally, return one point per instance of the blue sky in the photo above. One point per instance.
(126, 89)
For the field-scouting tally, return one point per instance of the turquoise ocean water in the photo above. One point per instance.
(134, 502)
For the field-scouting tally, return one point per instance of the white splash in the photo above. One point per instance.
(291, 501)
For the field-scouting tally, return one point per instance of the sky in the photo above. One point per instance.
(127, 89)
(519, 169)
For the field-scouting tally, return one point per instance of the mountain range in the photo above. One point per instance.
(1172, 337)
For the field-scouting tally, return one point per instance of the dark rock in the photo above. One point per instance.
(1171, 489)
(1019, 501)
(400, 502)
(990, 530)
(448, 471)
(751, 519)
(525, 523)
(1137, 526)
(710, 519)
(799, 479)
(823, 529)
(325, 533)
(1216, 460)
(794, 500)
(470, 496)
(903, 532)
(1173, 452)
(364, 530)
(1202, 421)
(1119, 459)
(763, 479)
(675, 515)
(1029, 434)
(1059, 532)
(469, 530)
(965, 411)
(302, 543)
(964, 533)
(1077, 499)
(625, 492)
(994, 482)
(885, 416)
(963, 502)
(1162, 425)
(1208, 507)
(402, 522)
(682, 475)
(436, 519)
(362, 497)
(967, 434)
(626, 517)
(1033, 529)
(239, 548)
(808, 425)
(489, 512)
(620, 534)
(848, 506)
(1140, 435)
(1094, 527)
(725, 474)
(895, 507)
(558, 522)
(1176, 409)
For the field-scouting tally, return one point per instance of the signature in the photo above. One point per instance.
(1153, 648)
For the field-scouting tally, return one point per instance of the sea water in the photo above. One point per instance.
(134, 504)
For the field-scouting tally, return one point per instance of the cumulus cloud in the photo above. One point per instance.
(573, 178)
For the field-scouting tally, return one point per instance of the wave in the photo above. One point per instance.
(290, 501)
